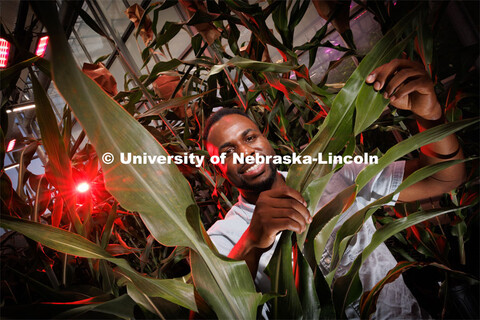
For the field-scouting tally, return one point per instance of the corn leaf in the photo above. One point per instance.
(255, 65)
(280, 272)
(355, 222)
(122, 307)
(369, 298)
(58, 239)
(337, 127)
(348, 287)
(59, 165)
(143, 188)
(404, 147)
(307, 286)
(370, 103)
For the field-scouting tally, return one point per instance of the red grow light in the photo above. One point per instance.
(11, 145)
(42, 46)
(83, 187)
(4, 51)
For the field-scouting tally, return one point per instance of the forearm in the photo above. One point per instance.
(446, 149)
(245, 250)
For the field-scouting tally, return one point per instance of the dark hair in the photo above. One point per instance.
(215, 117)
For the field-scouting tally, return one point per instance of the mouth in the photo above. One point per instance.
(253, 170)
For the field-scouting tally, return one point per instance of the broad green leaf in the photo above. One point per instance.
(280, 271)
(307, 289)
(329, 211)
(322, 237)
(206, 281)
(404, 147)
(55, 238)
(207, 286)
(254, 65)
(58, 239)
(424, 42)
(370, 103)
(279, 16)
(337, 127)
(172, 103)
(348, 287)
(158, 192)
(108, 228)
(26, 157)
(59, 165)
(169, 31)
(143, 300)
(350, 227)
(8, 75)
(122, 307)
(161, 66)
(314, 190)
(93, 25)
(369, 298)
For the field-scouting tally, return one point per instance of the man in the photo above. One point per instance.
(268, 206)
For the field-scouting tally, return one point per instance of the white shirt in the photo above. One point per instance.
(395, 300)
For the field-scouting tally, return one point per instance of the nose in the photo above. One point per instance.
(246, 149)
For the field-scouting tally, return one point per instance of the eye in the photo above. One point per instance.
(228, 151)
(251, 138)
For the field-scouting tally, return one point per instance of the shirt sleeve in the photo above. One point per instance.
(226, 233)
(384, 183)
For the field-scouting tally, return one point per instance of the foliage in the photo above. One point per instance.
(152, 216)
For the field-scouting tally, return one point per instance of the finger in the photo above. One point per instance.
(410, 87)
(291, 203)
(286, 192)
(290, 214)
(287, 224)
(400, 78)
(380, 75)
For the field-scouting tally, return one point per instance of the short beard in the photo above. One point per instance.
(263, 185)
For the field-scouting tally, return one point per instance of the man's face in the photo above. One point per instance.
(237, 134)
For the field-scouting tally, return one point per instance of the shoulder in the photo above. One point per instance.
(225, 233)
(232, 224)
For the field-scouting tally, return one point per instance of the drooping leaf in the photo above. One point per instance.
(369, 298)
(59, 169)
(311, 305)
(348, 287)
(255, 65)
(370, 103)
(337, 127)
(329, 211)
(404, 147)
(58, 239)
(142, 188)
(355, 222)
(121, 307)
(280, 271)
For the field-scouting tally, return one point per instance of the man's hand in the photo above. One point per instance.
(408, 86)
(276, 210)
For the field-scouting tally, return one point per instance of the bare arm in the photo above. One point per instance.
(409, 87)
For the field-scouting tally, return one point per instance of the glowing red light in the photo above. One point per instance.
(11, 145)
(4, 51)
(361, 14)
(42, 46)
(83, 187)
